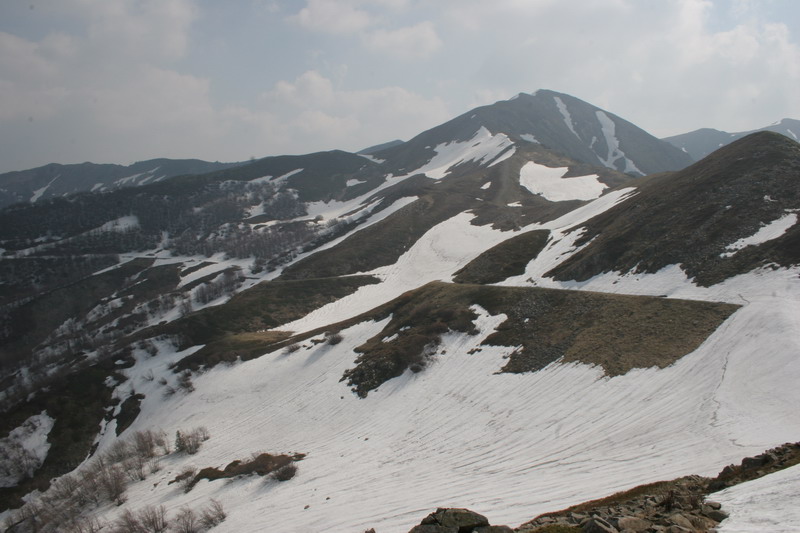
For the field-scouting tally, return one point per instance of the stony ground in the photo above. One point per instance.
(676, 506)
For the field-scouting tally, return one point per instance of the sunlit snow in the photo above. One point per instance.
(482, 148)
(549, 183)
(765, 504)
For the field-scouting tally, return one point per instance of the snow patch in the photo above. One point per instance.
(482, 148)
(353, 182)
(614, 151)
(551, 184)
(372, 158)
(530, 138)
(562, 107)
(37, 194)
(768, 232)
(25, 449)
(436, 256)
(765, 504)
(486, 185)
(120, 224)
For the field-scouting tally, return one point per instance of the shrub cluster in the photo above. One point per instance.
(67, 504)
(155, 520)
(190, 441)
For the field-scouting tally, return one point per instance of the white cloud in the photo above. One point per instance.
(332, 16)
(350, 119)
(410, 42)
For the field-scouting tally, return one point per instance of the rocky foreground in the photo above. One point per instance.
(677, 506)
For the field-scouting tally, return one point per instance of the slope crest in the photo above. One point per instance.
(696, 216)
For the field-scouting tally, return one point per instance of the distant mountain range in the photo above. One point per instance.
(532, 305)
(700, 143)
(54, 180)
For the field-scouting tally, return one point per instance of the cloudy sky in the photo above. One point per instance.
(127, 80)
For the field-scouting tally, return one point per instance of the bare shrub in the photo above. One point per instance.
(118, 451)
(292, 348)
(154, 519)
(212, 515)
(186, 521)
(333, 338)
(163, 442)
(285, 473)
(85, 525)
(185, 381)
(186, 478)
(144, 442)
(135, 468)
(64, 488)
(154, 464)
(190, 441)
(112, 482)
(128, 522)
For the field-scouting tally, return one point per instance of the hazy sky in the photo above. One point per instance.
(127, 80)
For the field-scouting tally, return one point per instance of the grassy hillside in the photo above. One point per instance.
(616, 332)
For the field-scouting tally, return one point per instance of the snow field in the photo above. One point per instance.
(458, 434)
(550, 184)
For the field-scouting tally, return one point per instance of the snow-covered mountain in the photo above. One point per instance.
(700, 143)
(54, 180)
(558, 122)
(490, 315)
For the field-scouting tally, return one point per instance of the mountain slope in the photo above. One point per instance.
(732, 212)
(700, 143)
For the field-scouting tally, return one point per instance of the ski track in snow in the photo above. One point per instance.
(458, 434)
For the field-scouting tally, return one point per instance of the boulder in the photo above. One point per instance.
(433, 528)
(633, 524)
(458, 520)
(598, 525)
